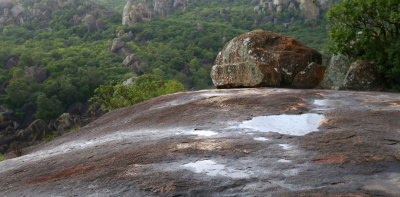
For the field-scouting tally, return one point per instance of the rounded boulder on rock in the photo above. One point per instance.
(362, 75)
(264, 58)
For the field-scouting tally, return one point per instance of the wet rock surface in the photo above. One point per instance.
(264, 58)
(224, 143)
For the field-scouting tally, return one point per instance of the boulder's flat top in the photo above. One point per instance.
(237, 142)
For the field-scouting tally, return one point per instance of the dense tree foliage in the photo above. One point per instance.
(369, 29)
(142, 88)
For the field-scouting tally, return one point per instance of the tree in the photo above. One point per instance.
(142, 88)
(48, 108)
(368, 29)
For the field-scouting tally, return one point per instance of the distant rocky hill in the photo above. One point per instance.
(138, 10)
(15, 12)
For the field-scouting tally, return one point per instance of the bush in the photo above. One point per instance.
(2, 158)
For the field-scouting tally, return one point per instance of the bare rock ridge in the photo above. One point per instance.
(224, 142)
(263, 58)
(142, 11)
(136, 11)
(14, 12)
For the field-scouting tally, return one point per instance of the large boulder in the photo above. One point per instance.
(5, 4)
(362, 75)
(90, 21)
(16, 10)
(336, 72)
(65, 122)
(40, 74)
(264, 58)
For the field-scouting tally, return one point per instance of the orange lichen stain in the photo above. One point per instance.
(64, 174)
(374, 157)
(334, 159)
(166, 189)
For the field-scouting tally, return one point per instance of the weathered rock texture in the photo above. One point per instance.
(197, 144)
(336, 72)
(264, 58)
(362, 75)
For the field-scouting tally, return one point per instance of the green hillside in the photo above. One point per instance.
(77, 59)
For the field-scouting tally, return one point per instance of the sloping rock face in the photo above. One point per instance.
(236, 142)
(263, 58)
(310, 10)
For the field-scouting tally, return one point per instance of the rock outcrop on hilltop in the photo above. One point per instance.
(310, 10)
(143, 11)
(19, 12)
(236, 142)
(263, 58)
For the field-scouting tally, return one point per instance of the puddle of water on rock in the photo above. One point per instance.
(286, 146)
(261, 139)
(297, 125)
(284, 161)
(203, 133)
(211, 168)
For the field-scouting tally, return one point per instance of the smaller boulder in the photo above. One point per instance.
(34, 132)
(65, 122)
(12, 61)
(132, 62)
(336, 72)
(120, 47)
(100, 24)
(117, 45)
(362, 75)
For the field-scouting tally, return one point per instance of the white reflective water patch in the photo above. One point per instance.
(261, 139)
(284, 161)
(297, 125)
(211, 168)
(286, 146)
(204, 133)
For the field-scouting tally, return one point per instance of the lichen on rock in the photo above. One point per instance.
(264, 58)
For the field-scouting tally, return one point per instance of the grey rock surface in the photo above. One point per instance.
(236, 142)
